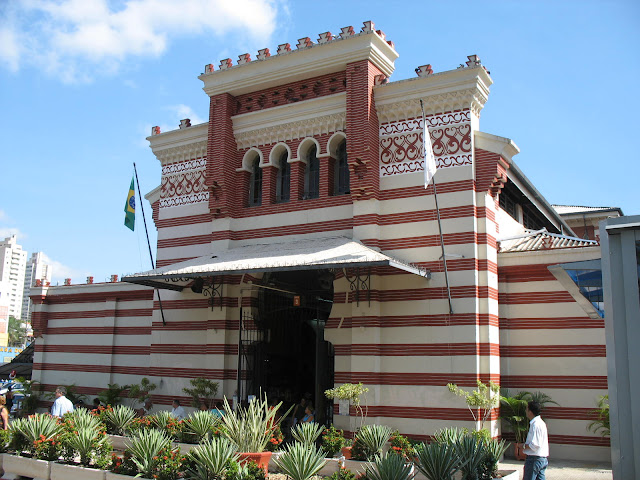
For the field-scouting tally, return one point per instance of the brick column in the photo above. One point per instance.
(269, 176)
(362, 130)
(297, 180)
(326, 175)
(242, 194)
(222, 153)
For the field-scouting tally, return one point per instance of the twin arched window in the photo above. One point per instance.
(312, 174)
(255, 183)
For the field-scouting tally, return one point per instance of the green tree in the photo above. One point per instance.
(142, 391)
(17, 332)
(482, 400)
(203, 391)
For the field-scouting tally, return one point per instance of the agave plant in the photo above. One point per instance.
(118, 418)
(301, 462)
(389, 467)
(307, 433)
(37, 426)
(211, 459)
(161, 419)
(81, 419)
(250, 428)
(145, 445)
(472, 452)
(437, 461)
(88, 444)
(373, 439)
(200, 424)
(493, 450)
(449, 436)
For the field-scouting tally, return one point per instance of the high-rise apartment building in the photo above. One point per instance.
(36, 269)
(13, 261)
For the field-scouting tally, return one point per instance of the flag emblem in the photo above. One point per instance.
(130, 208)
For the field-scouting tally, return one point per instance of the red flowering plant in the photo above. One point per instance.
(276, 439)
(123, 465)
(400, 445)
(167, 465)
(46, 448)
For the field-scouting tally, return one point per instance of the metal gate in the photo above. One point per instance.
(251, 354)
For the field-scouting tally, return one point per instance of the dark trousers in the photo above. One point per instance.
(534, 468)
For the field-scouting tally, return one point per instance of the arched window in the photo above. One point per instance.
(341, 172)
(283, 178)
(312, 174)
(255, 184)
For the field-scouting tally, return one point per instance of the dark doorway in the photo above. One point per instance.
(288, 354)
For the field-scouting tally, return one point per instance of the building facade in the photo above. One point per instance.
(13, 260)
(299, 249)
(37, 268)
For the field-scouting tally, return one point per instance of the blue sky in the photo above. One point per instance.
(83, 81)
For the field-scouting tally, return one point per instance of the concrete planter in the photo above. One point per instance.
(61, 471)
(118, 442)
(508, 475)
(261, 458)
(117, 476)
(331, 467)
(185, 447)
(15, 467)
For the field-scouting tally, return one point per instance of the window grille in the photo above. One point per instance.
(312, 175)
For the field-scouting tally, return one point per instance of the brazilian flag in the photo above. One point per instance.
(130, 208)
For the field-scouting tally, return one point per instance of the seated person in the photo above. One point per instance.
(309, 414)
(178, 411)
(146, 408)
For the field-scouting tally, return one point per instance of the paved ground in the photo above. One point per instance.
(567, 470)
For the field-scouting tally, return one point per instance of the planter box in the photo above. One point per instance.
(272, 461)
(331, 467)
(60, 471)
(261, 458)
(118, 442)
(15, 466)
(185, 447)
(117, 476)
(509, 475)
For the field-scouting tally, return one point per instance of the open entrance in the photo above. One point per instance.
(282, 346)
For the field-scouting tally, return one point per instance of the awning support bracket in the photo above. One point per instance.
(213, 288)
(360, 281)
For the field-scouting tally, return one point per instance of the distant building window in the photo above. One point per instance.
(530, 219)
(341, 173)
(283, 179)
(255, 184)
(312, 175)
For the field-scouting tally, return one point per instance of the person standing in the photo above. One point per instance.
(536, 445)
(4, 414)
(62, 404)
(178, 411)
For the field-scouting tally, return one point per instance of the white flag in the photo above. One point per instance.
(429, 159)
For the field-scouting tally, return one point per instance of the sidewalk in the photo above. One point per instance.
(566, 470)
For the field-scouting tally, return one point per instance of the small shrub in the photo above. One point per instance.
(332, 441)
(247, 471)
(389, 467)
(400, 445)
(5, 440)
(277, 437)
(343, 474)
(369, 441)
(124, 465)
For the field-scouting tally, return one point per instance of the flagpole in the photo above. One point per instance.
(135, 171)
(435, 196)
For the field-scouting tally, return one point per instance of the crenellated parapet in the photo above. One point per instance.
(304, 59)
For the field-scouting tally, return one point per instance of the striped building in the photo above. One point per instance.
(298, 249)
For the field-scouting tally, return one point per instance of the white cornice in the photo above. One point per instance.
(441, 92)
(286, 122)
(505, 147)
(295, 65)
(181, 144)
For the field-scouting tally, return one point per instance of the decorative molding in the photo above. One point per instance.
(184, 200)
(401, 143)
(198, 163)
(468, 99)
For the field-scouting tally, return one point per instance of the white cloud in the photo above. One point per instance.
(61, 271)
(6, 231)
(185, 111)
(71, 38)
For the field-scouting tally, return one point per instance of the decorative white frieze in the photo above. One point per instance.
(183, 183)
(289, 131)
(182, 153)
(195, 164)
(402, 146)
(184, 200)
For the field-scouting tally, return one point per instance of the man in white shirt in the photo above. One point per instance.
(178, 412)
(62, 404)
(536, 446)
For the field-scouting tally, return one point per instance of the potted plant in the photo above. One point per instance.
(211, 459)
(300, 461)
(333, 440)
(112, 395)
(250, 429)
(389, 467)
(601, 424)
(513, 412)
(369, 442)
(152, 455)
(203, 391)
(350, 392)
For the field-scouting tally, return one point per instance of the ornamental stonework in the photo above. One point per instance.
(183, 183)
(401, 143)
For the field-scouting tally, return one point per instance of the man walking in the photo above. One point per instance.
(536, 446)
(62, 404)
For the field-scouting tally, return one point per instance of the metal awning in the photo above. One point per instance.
(307, 254)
